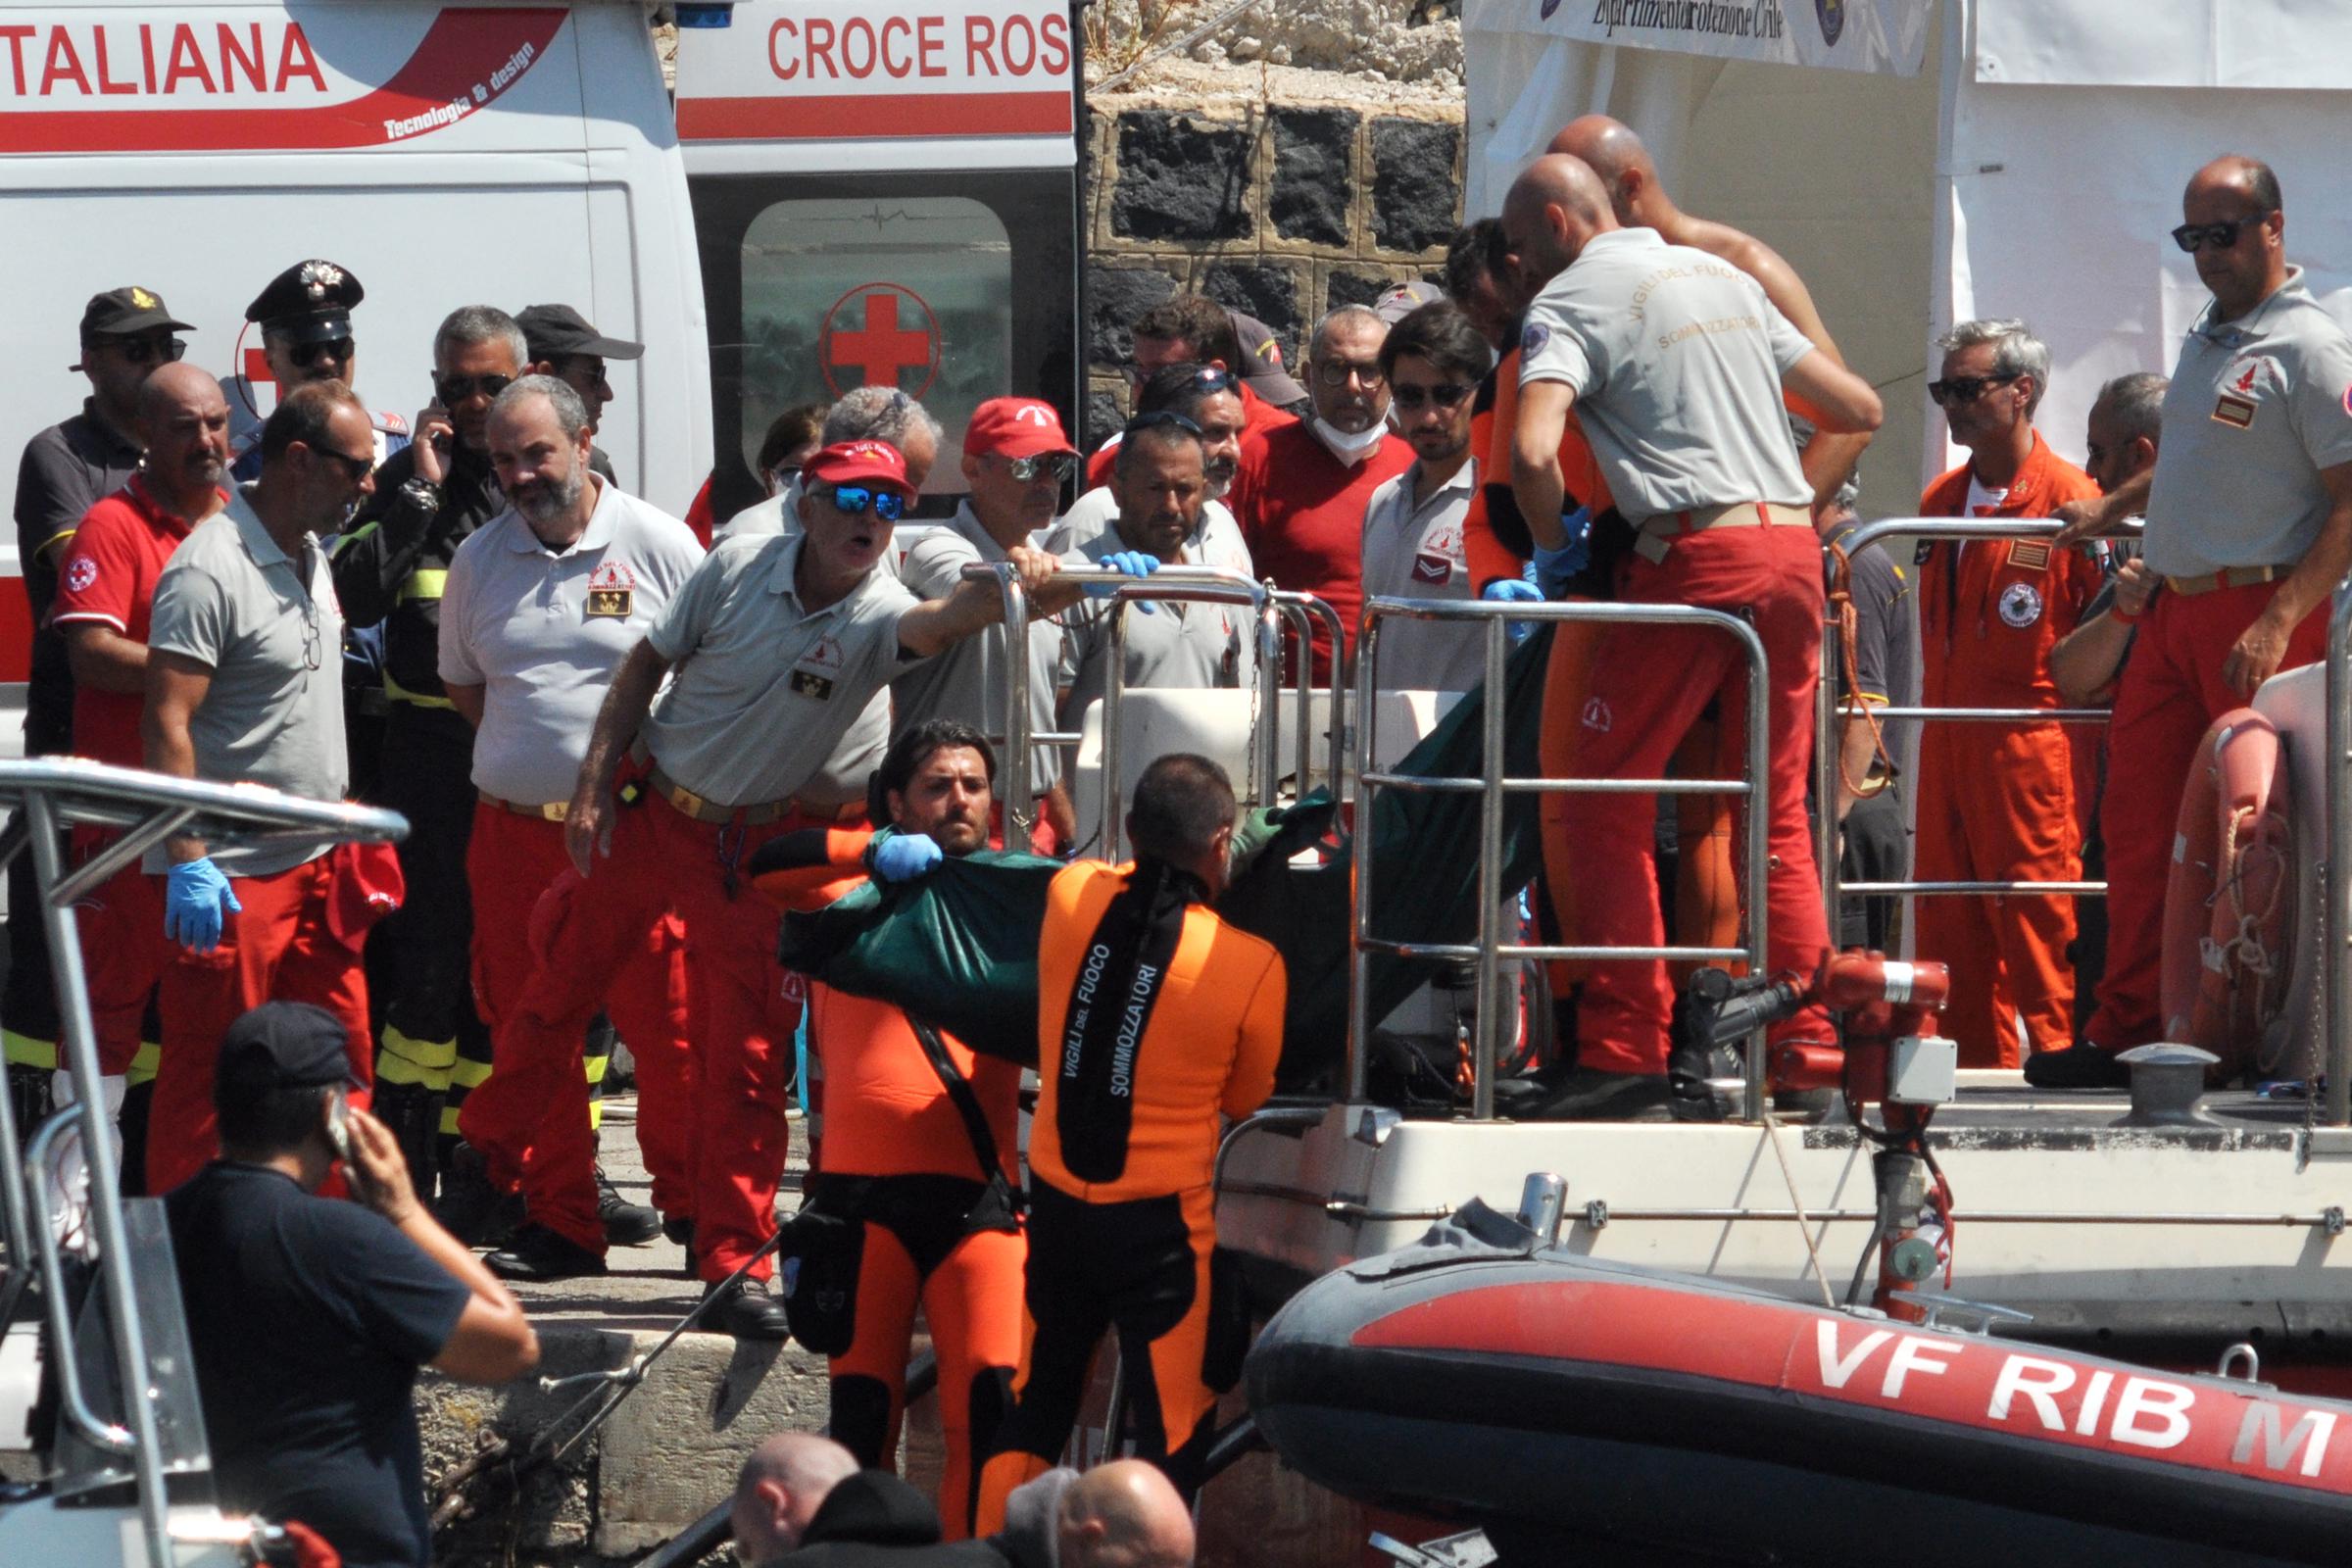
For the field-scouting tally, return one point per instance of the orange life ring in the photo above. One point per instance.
(2229, 904)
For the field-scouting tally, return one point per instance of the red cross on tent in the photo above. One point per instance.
(880, 330)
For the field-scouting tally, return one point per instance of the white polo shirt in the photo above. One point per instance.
(1180, 646)
(765, 692)
(967, 681)
(1415, 551)
(1676, 358)
(271, 630)
(542, 631)
(2256, 409)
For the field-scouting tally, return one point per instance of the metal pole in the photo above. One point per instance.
(1758, 868)
(1267, 757)
(1020, 805)
(1828, 761)
(1359, 958)
(2335, 1022)
(1497, 767)
(80, 1039)
(1115, 689)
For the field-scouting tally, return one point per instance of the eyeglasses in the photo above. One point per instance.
(452, 390)
(353, 469)
(1964, 388)
(2194, 237)
(306, 355)
(144, 350)
(1054, 466)
(1158, 417)
(852, 499)
(1445, 394)
(1335, 373)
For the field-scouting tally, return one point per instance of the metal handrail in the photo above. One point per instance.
(2336, 873)
(54, 794)
(1488, 952)
(1828, 754)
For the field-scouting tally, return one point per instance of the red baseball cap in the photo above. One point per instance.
(1016, 427)
(869, 463)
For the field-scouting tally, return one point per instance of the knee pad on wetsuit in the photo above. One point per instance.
(861, 1419)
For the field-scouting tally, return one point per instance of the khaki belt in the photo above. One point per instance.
(2227, 577)
(552, 811)
(1656, 533)
(689, 803)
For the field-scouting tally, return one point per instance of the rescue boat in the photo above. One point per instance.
(1561, 1401)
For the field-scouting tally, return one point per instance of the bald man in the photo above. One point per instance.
(779, 1491)
(2249, 526)
(1617, 157)
(1676, 362)
(1125, 1514)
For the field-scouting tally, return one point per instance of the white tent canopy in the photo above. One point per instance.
(1962, 158)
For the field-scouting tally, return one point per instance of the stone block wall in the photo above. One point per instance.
(1283, 209)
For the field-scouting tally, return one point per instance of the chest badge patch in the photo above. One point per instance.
(2032, 554)
(809, 683)
(1430, 566)
(612, 591)
(2021, 605)
(2233, 411)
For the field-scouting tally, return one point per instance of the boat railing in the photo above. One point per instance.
(51, 796)
(1829, 705)
(1492, 785)
(2335, 871)
(1280, 620)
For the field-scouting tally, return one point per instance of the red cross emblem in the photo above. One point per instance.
(880, 330)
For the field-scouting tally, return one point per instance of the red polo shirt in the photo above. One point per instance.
(1257, 417)
(108, 576)
(1302, 512)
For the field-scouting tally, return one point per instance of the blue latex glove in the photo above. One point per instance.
(1555, 567)
(1515, 591)
(1134, 564)
(196, 897)
(904, 857)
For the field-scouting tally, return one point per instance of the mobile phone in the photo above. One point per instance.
(338, 1126)
(440, 439)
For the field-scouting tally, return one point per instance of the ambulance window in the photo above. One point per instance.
(911, 291)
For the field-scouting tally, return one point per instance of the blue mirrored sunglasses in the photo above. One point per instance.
(853, 499)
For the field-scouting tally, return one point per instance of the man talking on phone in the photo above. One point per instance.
(308, 1317)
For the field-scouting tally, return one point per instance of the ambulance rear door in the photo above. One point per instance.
(445, 153)
(883, 194)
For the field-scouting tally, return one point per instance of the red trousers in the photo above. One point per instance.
(741, 1012)
(1648, 685)
(124, 952)
(510, 860)
(278, 947)
(2171, 691)
(1997, 804)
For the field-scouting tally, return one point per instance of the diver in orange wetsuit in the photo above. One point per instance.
(893, 1149)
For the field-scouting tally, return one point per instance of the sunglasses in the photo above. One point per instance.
(1335, 373)
(306, 355)
(145, 349)
(2194, 237)
(353, 469)
(452, 390)
(852, 499)
(1964, 389)
(1445, 394)
(1054, 466)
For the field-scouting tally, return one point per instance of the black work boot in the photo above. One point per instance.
(537, 1253)
(626, 1224)
(470, 1207)
(745, 1309)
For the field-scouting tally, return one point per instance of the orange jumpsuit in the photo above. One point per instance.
(1707, 890)
(1996, 802)
(1152, 1016)
(894, 1150)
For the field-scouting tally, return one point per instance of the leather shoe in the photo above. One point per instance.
(746, 1310)
(626, 1224)
(2083, 1066)
(1590, 1093)
(538, 1254)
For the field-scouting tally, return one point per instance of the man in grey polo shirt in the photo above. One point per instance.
(244, 684)
(1675, 363)
(542, 604)
(1016, 460)
(2249, 510)
(865, 413)
(771, 650)
(1157, 476)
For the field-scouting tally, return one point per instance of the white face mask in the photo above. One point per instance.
(1348, 449)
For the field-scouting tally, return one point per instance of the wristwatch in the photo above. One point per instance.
(421, 493)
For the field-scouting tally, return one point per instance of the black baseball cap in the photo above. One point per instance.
(283, 1045)
(310, 302)
(555, 330)
(126, 312)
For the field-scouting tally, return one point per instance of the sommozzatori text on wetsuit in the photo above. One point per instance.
(1131, 1026)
